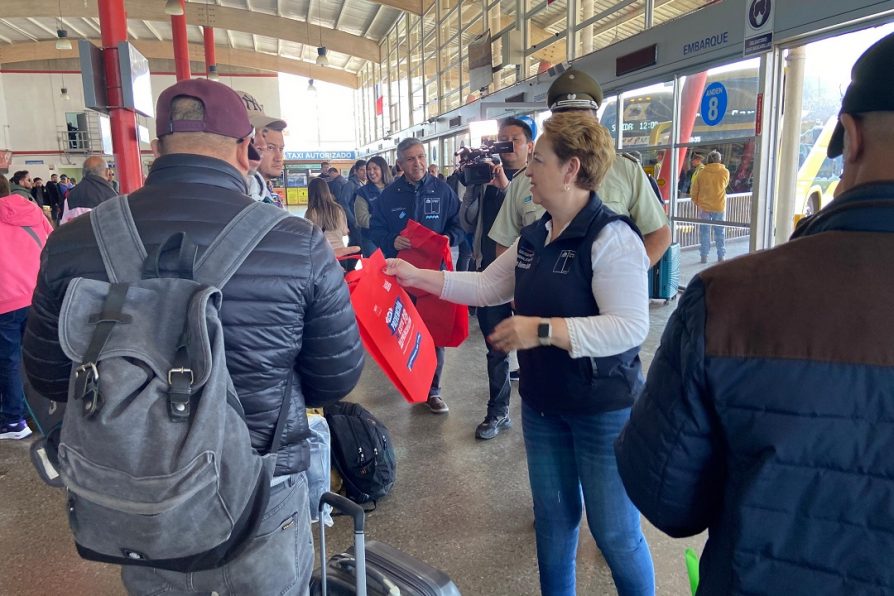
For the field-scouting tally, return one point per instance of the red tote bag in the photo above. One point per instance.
(447, 322)
(391, 329)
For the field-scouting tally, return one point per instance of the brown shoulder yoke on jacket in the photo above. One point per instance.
(828, 298)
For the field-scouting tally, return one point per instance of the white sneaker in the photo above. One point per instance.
(15, 430)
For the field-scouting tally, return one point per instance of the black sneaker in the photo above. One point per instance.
(514, 375)
(492, 426)
(436, 404)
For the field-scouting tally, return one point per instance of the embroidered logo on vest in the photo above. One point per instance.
(563, 263)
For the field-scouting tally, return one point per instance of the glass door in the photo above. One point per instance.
(713, 160)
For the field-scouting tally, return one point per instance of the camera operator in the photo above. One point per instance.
(481, 203)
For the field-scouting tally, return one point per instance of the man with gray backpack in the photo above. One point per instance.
(188, 327)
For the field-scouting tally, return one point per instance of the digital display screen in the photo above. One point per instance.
(105, 134)
(136, 87)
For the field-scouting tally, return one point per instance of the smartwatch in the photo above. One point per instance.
(545, 332)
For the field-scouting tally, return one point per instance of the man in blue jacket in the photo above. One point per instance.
(419, 196)
(767, 416)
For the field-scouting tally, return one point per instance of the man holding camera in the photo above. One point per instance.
(481, 203)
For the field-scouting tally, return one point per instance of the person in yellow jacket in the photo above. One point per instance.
(709, 195)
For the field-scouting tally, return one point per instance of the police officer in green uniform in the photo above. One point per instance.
(625, 190)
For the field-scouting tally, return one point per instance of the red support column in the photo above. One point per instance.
(210, 61)
(113, 25)
(690, 99)
(181, 45)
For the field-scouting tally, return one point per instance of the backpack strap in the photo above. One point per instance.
(234, 243)
(119, 241)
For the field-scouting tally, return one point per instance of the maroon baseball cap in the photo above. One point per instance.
(225, 113)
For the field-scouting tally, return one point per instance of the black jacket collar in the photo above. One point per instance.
(186, 168)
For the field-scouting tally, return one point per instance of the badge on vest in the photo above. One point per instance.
(524, 259)
(432, 206)
(563, 263)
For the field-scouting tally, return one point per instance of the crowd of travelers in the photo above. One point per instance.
(759, 423)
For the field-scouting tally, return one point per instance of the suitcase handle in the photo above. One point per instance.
(348, 507)
(345, 506)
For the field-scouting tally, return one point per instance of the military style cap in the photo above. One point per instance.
(574, 90)
(871, 88)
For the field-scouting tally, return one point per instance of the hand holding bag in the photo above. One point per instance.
(391, 329)
(447, 322)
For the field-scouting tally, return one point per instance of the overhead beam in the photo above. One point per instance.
(37, 23)
(220, 17)
(17, 29)
(162, 50)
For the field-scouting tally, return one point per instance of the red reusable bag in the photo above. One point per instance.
(391, 329)
(447, 322)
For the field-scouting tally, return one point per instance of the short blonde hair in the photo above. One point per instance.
(578, 134)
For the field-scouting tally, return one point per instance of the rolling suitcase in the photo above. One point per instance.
(373, 568)
(664, 277)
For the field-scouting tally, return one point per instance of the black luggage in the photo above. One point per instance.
(383, 570)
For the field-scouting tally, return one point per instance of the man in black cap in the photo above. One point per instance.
(290, 332)
(625, 190)
(767, 415)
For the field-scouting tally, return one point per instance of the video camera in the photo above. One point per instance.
(472, 162)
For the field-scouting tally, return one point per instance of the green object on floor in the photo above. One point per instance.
(692, 569)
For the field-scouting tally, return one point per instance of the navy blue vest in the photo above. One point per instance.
(555, 280)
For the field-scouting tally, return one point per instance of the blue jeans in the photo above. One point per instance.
(571, 463)
(12, 391)
(704, 234)
(439, 369)
(497, 362)
(278, 560)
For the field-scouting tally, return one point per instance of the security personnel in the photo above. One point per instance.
(419, 196)
(625, 190)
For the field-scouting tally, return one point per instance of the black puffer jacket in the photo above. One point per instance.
(286, 308)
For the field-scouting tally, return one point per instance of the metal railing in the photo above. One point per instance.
(737, 217)
(75, 141)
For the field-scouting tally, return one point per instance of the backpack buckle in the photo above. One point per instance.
(181, 371)
(87, 382)
(179, 393)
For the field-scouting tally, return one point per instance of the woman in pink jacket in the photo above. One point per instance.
(23, 233)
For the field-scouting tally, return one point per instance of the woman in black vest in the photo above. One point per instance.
(578, 278)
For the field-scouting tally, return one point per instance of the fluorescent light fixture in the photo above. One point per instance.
(173, 8)
(322, 60)
(62, 41)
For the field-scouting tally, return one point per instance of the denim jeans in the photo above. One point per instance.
(571, 462)
(12, 391)
(704, 234)
(439, 368)
(278, 560)
(497, 362)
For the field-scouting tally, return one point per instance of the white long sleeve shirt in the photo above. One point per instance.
(619, 284)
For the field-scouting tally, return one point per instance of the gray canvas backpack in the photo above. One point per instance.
(154, 450)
